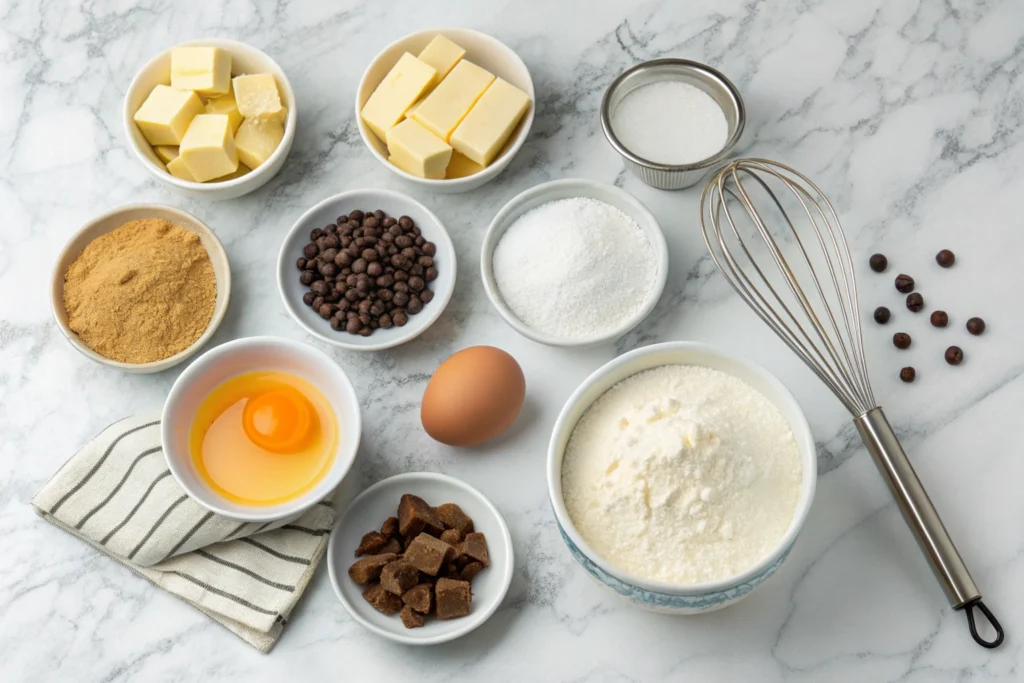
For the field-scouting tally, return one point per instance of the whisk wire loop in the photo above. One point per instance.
(825, 332)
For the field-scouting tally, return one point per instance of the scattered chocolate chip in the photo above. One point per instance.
(945, 258)
(901, 340)
(908, 374)
(954, 355)
(915, 302)
(882, 315)
(975, 326)
(878, 263)
(904, 283)
(939, 318)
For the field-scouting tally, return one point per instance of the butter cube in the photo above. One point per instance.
(443, 55)
(238, 173)
(177, 168)
(256, 140)
(404, 84)
(226, 104)
(208, 148)
(207, 70)
(416, 150)
(167, 153)
(257, 95)
(486, 128)
(166, 114)
(461, 167)
(408, 114)
(450, 101)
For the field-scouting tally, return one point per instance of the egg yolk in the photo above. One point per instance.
(279, 419)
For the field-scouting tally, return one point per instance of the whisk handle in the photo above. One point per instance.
(923, 520)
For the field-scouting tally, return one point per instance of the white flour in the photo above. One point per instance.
(574, 268)
(670, 122)
(682, 474)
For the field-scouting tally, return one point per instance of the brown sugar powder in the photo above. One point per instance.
(142, 292)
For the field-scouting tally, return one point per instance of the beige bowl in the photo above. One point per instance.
(115, 219)
(484, 51)
(244, 60)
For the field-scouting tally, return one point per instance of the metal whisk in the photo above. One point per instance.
(794, 268)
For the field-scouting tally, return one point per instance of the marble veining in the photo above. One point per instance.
(907, 112)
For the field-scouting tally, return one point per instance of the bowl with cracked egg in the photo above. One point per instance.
(680, 476)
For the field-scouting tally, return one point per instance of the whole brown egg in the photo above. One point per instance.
(473, 396)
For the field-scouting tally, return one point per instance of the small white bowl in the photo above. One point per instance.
(393, 204)
(661, 596)
(369, 510)
(253, 354)
(484, 51)
(110, 221)
(244, 60)
(564, 189)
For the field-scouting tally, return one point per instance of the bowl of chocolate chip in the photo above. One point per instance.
(367, 270)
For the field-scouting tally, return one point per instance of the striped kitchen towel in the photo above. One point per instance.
(117, 495)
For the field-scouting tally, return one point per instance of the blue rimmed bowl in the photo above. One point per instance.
(662, 596)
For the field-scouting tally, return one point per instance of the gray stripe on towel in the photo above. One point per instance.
(88, 476)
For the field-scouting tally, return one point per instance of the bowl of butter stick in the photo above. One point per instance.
(211, 118)
(445, 109)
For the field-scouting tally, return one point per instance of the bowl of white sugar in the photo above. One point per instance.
(672, 120)
(574, 263)
(680, 476)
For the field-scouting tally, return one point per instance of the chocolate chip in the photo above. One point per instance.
(954, 355)
(908, 374)
(878, 262)
(882, 315)
(945, 258)
(915, 302)
(367, 271)
(975, 326)
(939, 318)
(904, 283)
(901, 340)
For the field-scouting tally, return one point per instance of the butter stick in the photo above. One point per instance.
(487, 127)
(448, 104)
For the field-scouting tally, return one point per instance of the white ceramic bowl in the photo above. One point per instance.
(114, 219)
(369, 510)
(244, 60)
(393, 204)
(249, 355)
(564, 189)
(484, 51)
(659, 595)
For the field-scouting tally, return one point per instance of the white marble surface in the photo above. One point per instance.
(908, 113)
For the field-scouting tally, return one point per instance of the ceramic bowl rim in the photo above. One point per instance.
(57, 285)
(475, 619)
(332, 479)
(801, 433)
(438, 304)
(212, 187)
(488, 173)
(640, 213)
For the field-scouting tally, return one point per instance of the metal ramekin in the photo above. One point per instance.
(720, 88)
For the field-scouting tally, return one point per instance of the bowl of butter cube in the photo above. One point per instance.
(445, 109)
(211, 118)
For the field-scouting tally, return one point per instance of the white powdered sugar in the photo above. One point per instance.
(574, 268)
(682, 474)
(670, 122)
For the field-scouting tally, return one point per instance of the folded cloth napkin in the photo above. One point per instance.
(117, 495)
